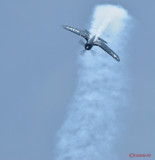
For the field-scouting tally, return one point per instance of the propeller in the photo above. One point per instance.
(83, 52)
(92, 52)
(81, 42)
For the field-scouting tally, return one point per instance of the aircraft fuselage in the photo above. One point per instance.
(90, 43)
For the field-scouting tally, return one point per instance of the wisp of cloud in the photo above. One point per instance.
(92, 123)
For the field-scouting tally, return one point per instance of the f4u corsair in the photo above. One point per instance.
(92, 41)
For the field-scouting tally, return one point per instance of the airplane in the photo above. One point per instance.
(92, 41)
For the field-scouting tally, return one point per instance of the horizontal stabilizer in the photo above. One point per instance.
(102, 40)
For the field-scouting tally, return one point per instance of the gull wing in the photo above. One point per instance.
(107, 49)
(84, 33)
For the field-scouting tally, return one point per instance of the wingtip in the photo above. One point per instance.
(118, 59)
(63, 26)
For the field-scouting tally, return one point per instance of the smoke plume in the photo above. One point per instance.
(92, 123)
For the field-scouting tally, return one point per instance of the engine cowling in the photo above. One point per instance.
(88, 46)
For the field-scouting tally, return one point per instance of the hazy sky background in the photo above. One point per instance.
(38, 75)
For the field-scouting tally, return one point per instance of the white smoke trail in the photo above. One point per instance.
(110, 14)
(92, 123)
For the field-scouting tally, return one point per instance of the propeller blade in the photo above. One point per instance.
(92, 52)
(81, 42)
(83, 52)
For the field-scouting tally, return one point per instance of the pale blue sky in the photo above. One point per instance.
(38, 74)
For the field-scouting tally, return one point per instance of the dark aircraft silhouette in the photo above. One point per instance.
(92, 41)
